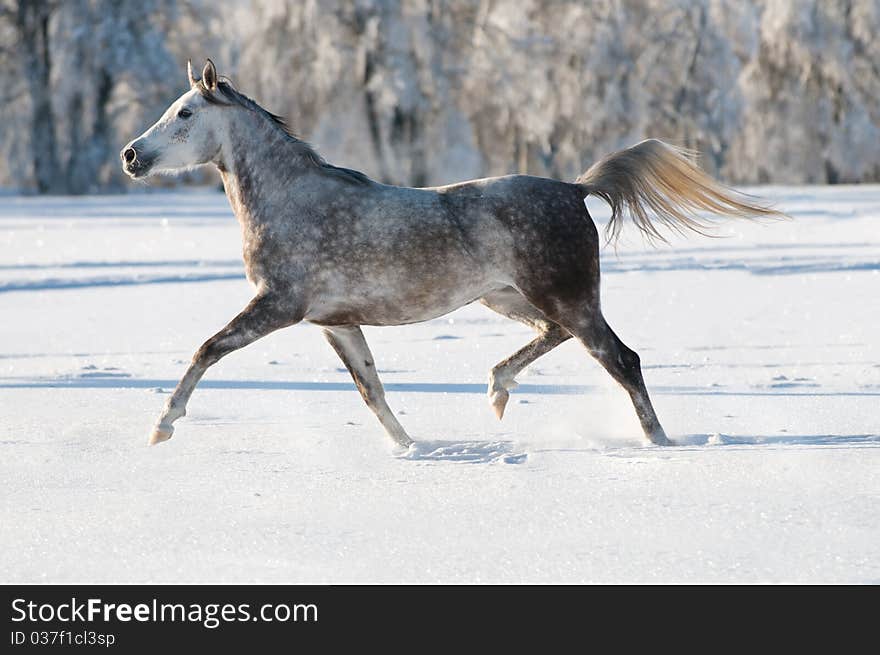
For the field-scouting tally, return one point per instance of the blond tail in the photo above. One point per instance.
(653, 177)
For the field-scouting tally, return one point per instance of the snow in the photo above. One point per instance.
(760, 350)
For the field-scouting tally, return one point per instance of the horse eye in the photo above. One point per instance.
(184, 113)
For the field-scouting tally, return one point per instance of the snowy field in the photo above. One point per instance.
(760, 350)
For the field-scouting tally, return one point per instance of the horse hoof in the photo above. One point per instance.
(499, 399)
(401, 440)
(403, 448)
(160, 434)
(660, 439)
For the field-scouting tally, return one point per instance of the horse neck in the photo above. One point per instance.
(258, 165)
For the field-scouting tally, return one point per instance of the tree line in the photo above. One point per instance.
(425, 92)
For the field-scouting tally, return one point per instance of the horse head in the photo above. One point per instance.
(188, 133)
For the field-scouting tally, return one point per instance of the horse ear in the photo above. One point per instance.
(209, 76)
(193, 80)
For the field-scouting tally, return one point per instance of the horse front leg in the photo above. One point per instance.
(263, 315)
(352, 348)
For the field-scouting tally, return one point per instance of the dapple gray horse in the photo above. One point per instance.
(330, 246)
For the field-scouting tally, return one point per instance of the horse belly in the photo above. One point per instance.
(396, 303)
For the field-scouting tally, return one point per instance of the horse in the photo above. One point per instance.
(330, 246)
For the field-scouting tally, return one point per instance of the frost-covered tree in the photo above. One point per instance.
(435, 90)
(368, 81)
(115, 60)
(28, 56)
(812, 92)
(83, 63)
(431, 91)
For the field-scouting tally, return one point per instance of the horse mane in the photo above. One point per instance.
(231, 96)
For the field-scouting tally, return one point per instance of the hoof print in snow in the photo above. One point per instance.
(472, 452)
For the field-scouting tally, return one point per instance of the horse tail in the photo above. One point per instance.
(663, 179)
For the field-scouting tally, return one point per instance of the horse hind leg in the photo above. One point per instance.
(583, 319)
(509, 302)
(624, 366)
(351, 346)
(501, 378)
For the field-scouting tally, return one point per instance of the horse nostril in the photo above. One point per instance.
(129, 155)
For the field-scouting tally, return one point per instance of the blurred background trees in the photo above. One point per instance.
(431, 91)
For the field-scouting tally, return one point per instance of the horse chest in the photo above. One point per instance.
(275, 258)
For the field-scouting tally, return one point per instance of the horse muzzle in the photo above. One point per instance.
(135, 161)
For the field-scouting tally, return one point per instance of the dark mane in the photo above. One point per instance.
(231, 96)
